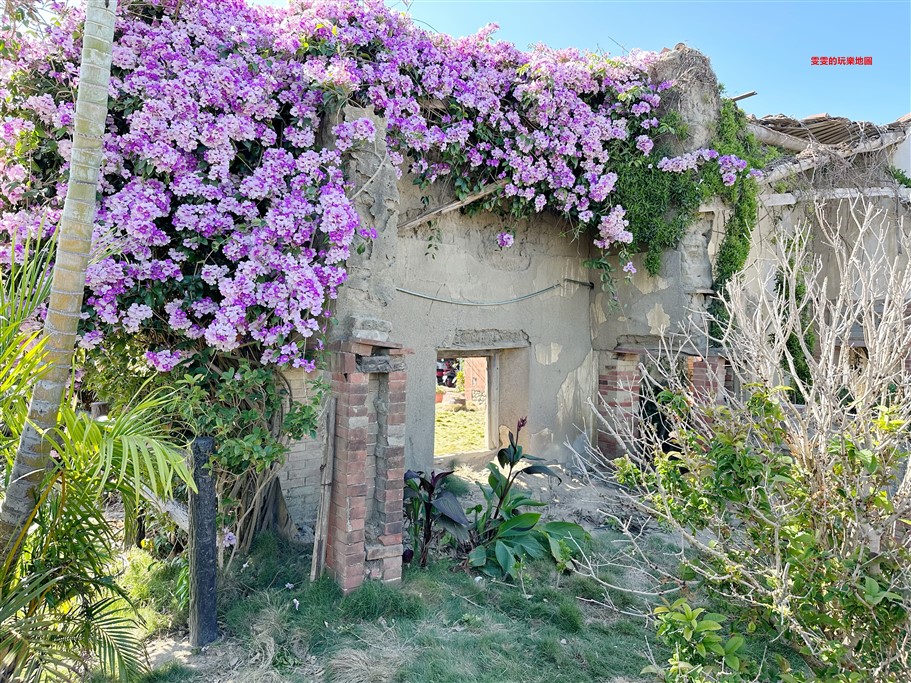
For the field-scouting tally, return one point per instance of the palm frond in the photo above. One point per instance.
(112, 635)
(33, 646)
(133, 450)
(25, 282)
(24, 286)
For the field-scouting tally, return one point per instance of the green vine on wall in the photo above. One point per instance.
(733, 137)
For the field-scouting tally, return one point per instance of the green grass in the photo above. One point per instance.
(150, 584)
(170, 673)
(460, 431)
(457, 486)
(441, 625)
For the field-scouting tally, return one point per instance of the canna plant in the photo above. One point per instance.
(428, 504)
(502, 533)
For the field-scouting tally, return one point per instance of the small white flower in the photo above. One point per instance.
(289, 586)
(246, 564)
(297, 603)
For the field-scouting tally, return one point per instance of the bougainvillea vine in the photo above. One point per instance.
(225, 220)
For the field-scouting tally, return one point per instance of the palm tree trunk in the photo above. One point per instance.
(74, 244)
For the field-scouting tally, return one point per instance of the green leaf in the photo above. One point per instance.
(505, 558)
(447, 504)
(574, 534)
(478, 557)
(540, 469)
(519, 524)
(734, 644)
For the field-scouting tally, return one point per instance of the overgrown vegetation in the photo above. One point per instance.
(61, 606)
(732, 137)
(502, 534)
(249, 411)
(443, 625)
(803, 339)
(793, 517)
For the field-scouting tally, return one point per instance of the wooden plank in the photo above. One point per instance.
(452, 206)
(321, 528)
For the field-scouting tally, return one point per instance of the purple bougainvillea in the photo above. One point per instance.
(224, 222)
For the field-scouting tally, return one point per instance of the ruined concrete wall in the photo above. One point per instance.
(695, 96)
(646, 307)
(542, 344)
(544, 361)
(778, 223)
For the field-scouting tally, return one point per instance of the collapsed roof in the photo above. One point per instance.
(831, 130)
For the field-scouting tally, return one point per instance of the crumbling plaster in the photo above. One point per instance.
(546, 370)
(552, 348)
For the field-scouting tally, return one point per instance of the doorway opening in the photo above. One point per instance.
(464, 407)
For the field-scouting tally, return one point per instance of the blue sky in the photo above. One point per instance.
(764, 45)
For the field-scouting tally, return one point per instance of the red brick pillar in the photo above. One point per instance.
(384, 545)
(707, 376)
(365, 536)
(618, 386)
(348, 507)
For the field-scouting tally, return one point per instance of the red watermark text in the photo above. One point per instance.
(841, 61)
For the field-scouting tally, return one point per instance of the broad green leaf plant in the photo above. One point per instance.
(502, 534)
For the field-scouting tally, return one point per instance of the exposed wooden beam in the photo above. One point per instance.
(791, 198)
(452, 206)
(826, 152)
(773, 137)
(743, 96)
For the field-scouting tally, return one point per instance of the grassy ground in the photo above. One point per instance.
(443, 625)
(460, 431)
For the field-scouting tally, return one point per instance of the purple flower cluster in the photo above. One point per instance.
(613, 229)
(218, 192)
(730, 166)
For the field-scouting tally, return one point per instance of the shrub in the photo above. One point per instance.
(428, 504)
(798, 514)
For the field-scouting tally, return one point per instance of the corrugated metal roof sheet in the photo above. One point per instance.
(831, 130)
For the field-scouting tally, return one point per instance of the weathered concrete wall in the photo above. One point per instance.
(778, 223)
(646, 307)
(545, 366)
(542, 344)
(550, 353)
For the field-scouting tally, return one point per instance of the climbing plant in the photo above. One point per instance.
(225, 220)
(224, 215)
(732, 137)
